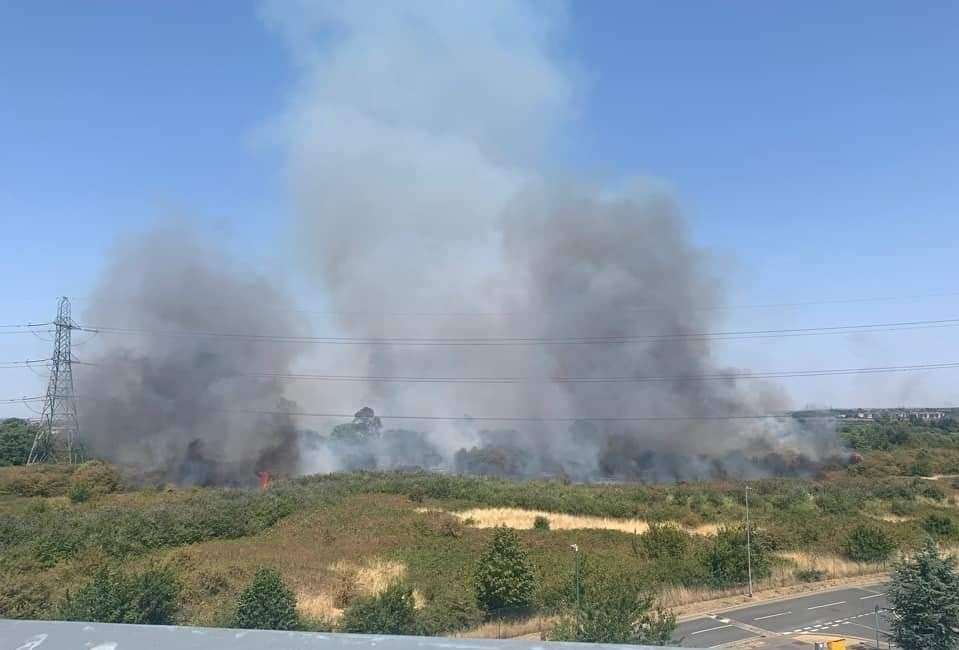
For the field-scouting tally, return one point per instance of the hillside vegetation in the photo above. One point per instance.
(344, 540)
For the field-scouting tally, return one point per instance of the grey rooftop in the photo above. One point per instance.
(61, 635)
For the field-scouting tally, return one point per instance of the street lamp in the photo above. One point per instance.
(749, 553)
(575, 549)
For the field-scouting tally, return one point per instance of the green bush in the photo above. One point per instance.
(612, 609)
(114, 597)
(541, 523)
(504, 574)
(266, 604)
(78, 493)
(664, 541)
(449, 612)
(728, 561)
(96, 477)
(867, 543)
(391, 612)
(903, 507)
(810, 575)
(942, 526)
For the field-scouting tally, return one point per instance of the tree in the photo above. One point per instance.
(391, 612)
(729, 562)
(867, 543)
(924, 594)
(504, 574)
(113, 597)
(16, 439)
(613, 609)
(266, 604)
(365, 426)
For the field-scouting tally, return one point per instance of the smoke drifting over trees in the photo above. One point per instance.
(417, 141)
(169, 404)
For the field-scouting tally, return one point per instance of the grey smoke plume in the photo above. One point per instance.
(417, 143)
(168, 404)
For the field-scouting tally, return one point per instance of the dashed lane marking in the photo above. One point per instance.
(762, 618)
(710, 629)
(838, 602)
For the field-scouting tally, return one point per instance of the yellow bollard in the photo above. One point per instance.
(838, 644)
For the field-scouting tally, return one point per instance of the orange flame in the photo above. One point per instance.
(265, 479)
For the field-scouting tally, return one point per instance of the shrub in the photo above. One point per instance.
(39, 480)
(613, 609)
(728, 561)
(810, 575)
(391, 612)
(96, 477)
(866, 543)
(266, 604)
(449, 612)
(903, 507)
(504, 574)
(541, 523)
(940, 525)
(114, 597)
(664, 541)
(78, 493)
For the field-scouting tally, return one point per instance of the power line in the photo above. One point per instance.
(768, 305)
(20, 400)
(509, 341)
(718, 376)
(21, 364)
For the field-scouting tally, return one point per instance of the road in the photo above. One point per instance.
(842, 612)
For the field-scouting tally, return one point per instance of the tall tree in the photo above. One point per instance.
(924, 594)
(504, 575)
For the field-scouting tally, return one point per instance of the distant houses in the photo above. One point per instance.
(923, 415)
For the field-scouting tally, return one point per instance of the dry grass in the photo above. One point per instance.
(782, 575)
(532, 627)
(350, 581)
(895, 519)
(833, 566)
(317, 606)
(519, 519)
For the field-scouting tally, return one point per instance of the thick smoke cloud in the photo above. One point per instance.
(166, 404)
(418, 143)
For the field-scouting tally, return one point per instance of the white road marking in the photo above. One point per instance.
(838, 602)
(709, 629)
(873, 596)
(761, 618)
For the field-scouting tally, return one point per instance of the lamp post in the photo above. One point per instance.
(575, 549)
(749, 553)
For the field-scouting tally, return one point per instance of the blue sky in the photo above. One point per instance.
(813, 147)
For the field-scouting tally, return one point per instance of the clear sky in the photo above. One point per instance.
(813, 145)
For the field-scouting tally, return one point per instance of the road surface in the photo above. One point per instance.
(843, 612)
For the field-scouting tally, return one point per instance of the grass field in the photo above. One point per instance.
(337, 537)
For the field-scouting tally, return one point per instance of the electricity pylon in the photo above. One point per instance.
(58, 438)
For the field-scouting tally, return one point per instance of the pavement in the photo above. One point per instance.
(846, 612)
